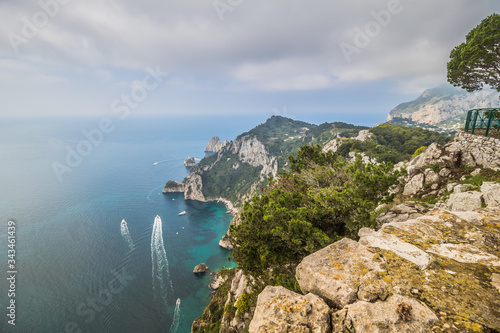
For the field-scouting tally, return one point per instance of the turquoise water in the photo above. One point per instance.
(76, 271)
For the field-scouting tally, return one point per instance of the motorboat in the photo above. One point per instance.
(182, 213)
(178, 301)
(123, 222)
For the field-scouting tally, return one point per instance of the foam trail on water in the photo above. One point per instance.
(162, 284)
(126, 234)
(177, 315)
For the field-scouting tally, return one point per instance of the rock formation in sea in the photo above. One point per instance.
(190, 162)
(200, 268)
(214, 145)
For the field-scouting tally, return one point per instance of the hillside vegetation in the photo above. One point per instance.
(322, 199)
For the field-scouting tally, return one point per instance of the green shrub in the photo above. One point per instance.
(419, 151)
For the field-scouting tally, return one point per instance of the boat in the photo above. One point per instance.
(182, 213)
(155, 163)
(123, 222)
(178, 301)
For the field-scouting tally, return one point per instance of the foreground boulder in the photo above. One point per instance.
(336, 272)
(281, 310)
(396, 314)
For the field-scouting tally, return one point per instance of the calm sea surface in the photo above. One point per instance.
(78, 269)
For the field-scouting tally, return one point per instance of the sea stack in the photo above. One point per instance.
(201, 268)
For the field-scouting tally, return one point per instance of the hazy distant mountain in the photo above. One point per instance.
(442, 108)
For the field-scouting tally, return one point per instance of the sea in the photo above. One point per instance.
(66, 184)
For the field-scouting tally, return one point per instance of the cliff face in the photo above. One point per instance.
(225, 168)
(443, 107)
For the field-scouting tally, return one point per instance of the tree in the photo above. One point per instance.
(477, 61)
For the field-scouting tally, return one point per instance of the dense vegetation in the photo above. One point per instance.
(226, 180)
(323, 199)
(393, 143)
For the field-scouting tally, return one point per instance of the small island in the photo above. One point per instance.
(190, 162)
(201, 268)
(173, 187)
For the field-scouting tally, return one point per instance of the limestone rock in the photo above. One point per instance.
(217, 280)
(364, 135)
(465, 253)
(193, 188)
(382, 240)
(335, 272)
(214, 145)
(200, 268)
(190, 162)
(462, 188)
(495, 281)
(225, 242)
(431, 176)
(415, 184)
(384, 317)
(491, 194)
(465, 201)
(281, 310)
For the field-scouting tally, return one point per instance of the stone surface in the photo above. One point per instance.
(225, 242)
(382, 240)
(465, 201)
(415, 184)
(190, 162)
(214, 145)
(335, 272)
(465, 253)
(495, 281)
(384, 317)
(281, 310)
(491, 194)
(200, 268)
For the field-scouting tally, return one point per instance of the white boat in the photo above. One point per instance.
(178, 301)
(155, 163)
(123, 222)
(182, 213)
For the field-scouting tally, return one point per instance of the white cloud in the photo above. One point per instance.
(283, 45)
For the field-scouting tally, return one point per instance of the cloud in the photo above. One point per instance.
(282, 45)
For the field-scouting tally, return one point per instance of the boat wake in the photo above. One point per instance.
(158, 162)
(126, 234)
(162, 285)
(177, 315)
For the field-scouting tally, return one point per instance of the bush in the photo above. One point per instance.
(326, 199)
(419, 151)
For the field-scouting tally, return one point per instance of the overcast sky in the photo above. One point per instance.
(292, 57)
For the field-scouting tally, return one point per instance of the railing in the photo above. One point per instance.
(483, 122)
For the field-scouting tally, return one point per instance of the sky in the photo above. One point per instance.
(297, 58)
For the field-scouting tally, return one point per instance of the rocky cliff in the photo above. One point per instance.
(442, 108)
(427, 267)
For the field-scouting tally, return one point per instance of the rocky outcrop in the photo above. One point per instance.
(491, 193)
(173, 187)
(217, 280)
(281, 310)
(430, 171)
(443, 106)
(396, 314)
(214, 145)
(336, 272)
(250, 150)
(193, 188)
(364, 135)
(190, 162)
(436, 272)
(240, 285)
(225, 242)
(200, 268)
